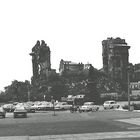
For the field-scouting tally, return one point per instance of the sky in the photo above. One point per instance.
(73, 29)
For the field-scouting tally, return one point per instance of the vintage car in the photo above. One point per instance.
(2, 112)
(111, 104)
(29, 108)
(9, 107)
(42, 106)
(20, 111)
(88, 106)
(62, 106)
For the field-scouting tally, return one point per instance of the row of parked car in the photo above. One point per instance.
(29, 106)
(18, 111)
(90, 106)
(26, 107)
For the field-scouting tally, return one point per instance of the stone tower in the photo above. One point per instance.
(115, 53)
(41, 63)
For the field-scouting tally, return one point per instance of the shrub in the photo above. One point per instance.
(136, 106)
(125, 107)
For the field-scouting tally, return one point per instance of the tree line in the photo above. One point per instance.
(91, 84)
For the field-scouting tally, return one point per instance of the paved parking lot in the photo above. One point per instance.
(66, 125)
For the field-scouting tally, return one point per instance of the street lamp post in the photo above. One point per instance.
(53, 103)
(28, 94)
(44, 97)
(128, 84)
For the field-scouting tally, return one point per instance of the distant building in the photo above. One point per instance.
(135, 94)
(135, 89)
(87, 66)
(115, 59)
(135, 85)
(134, 72)
(72, 97)
(112, 95)
(71, 67)
(137, 72)
(80, 96)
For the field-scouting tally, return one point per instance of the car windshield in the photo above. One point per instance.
(62, 103)
(110, 102)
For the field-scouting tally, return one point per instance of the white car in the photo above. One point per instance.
(29, 108)
(111, 104)
(9, 107)
(62, 106)
(89, 106)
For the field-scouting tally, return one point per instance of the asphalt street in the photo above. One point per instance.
(45, 123)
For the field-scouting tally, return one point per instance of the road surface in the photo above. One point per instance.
(66, 123)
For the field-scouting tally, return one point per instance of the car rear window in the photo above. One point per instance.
(111, 102)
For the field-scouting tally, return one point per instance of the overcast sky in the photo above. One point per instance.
(73, 29)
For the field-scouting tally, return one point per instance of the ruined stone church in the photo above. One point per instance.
(115, 54)
(41, 62)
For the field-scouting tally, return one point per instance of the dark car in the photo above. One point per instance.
(20, 112)
(74, 108)
(2, 112)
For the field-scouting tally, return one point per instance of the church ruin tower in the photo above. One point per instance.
(41, 63)
(115, 53)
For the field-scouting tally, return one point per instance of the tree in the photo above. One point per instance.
(93, 94)
(17, 91)
(58, 90)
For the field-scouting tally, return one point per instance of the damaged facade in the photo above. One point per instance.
(115, 53)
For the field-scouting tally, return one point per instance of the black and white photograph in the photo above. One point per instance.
(70, 70)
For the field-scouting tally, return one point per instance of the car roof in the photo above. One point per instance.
(88, 102)
(110, 101)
